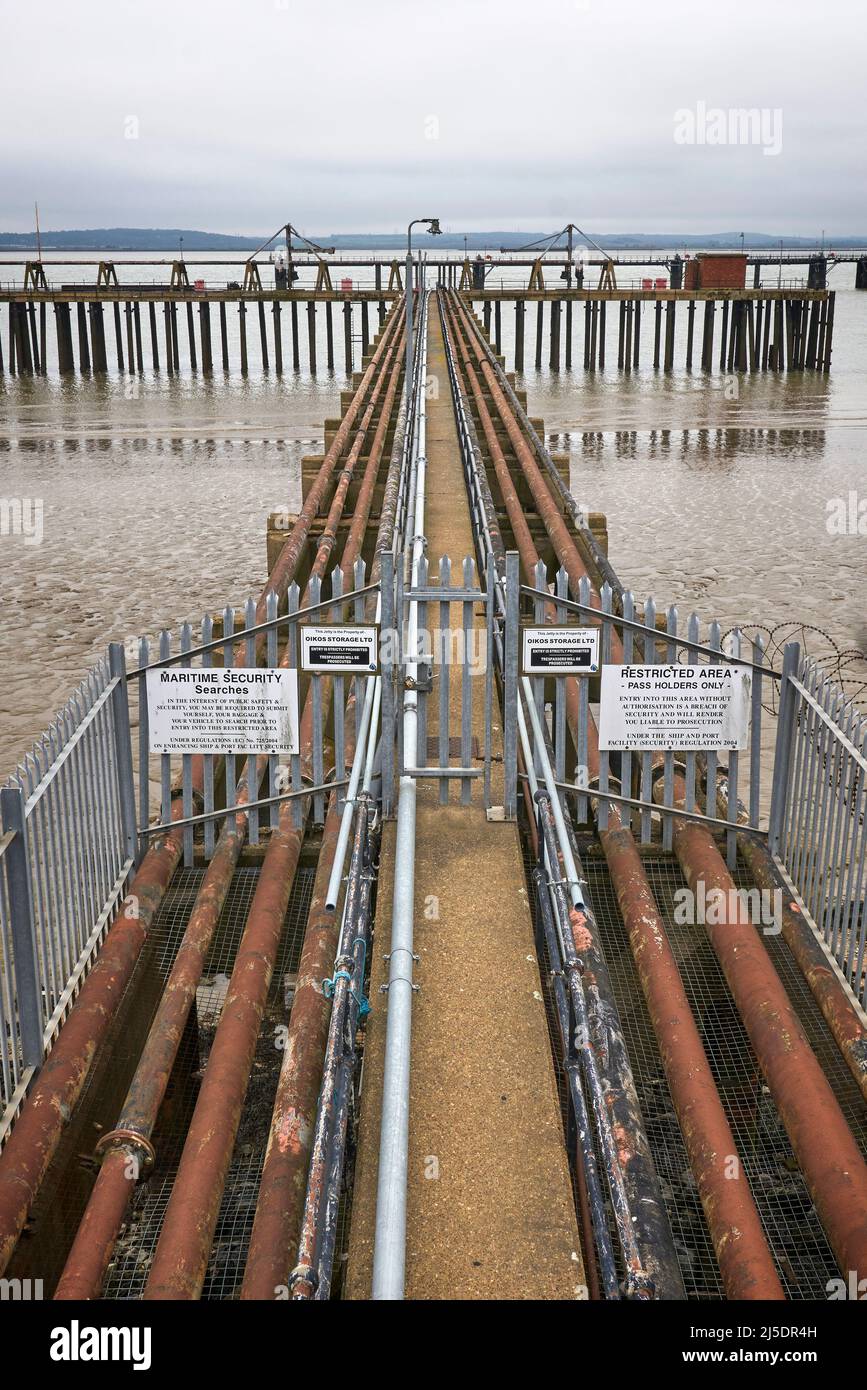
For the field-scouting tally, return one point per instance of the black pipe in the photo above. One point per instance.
(599, 1235)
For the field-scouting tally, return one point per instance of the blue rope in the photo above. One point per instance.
(363, 1003)
(329, 985)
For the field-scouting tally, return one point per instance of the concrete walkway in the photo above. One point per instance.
(490, 1212)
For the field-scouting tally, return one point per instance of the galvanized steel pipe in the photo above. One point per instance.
(389, 1254)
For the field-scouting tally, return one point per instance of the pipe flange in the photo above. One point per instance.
(657, 773)
(128, 1138)
(638, 1286)
(615, 786)
(303, 1274)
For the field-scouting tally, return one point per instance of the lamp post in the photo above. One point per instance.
(434, 224)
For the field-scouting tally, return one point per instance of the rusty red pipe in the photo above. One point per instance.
(829, 1157)
(745, 1262)
(283, 1185)
(91, 1251)
(284, 571)
(563, 542)
(293, 547)
(742, 1252)
(838, 1009)
(182, 1253)
(127, 1150)
(284, 1175)
(36, 1134)
(181, 1257)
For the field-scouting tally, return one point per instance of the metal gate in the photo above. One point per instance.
(818, 826)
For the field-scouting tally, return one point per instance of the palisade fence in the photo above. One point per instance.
(237, 638)
(80, 811)
(77, 816)
(818, 805)
(818, 826)
(67, 850)
(725, 789)
(454, 669)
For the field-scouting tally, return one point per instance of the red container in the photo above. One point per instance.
(346, 286)
(199, 284)
(647, 284)
(661, 282)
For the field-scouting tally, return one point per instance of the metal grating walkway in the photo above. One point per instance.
(803, 1256)
(128, 1271)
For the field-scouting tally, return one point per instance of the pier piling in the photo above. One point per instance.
(311, 334)
(242, 326)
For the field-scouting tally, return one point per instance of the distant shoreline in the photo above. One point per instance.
(129, 240)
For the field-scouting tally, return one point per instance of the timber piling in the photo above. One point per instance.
(557, 1075)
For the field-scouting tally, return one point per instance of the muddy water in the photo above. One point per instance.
(156, 490)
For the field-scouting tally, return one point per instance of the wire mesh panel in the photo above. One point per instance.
(801, 1251)
(127, 1274)
(798, 1243)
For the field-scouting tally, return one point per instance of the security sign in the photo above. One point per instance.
(340, 648)
(688, 708)
(222, 709)
(561, 651)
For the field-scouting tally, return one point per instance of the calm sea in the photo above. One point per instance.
(155, 489)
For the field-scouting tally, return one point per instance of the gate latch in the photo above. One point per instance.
(423, 682)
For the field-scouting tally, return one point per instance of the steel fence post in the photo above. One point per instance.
(386, 658)
(510, 684)
(783, 748)
(123, 750)
(22, 921)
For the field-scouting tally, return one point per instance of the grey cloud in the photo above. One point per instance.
(251, 111)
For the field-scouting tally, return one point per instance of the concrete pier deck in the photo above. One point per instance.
(490, 1211)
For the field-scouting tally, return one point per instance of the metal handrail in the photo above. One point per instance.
(334, 601)
(742, 827)
(241, 808)
(617, 621)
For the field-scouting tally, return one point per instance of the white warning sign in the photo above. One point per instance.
(339, 647)
(561, 651)
(224, 709)
(688, 708)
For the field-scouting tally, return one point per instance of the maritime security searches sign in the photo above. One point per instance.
(683, 708)
(561, 651)
(225, 709)
(339, 647)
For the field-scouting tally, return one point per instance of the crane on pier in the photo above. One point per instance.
(607, 277)
(252, 278)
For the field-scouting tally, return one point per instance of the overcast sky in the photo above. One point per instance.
(355, 115)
